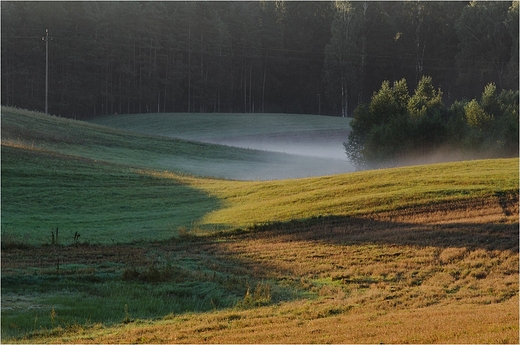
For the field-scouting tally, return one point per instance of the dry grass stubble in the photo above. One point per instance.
(286, 323)
(423, 277)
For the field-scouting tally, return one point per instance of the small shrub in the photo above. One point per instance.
(182, 231)
(185, 233)
(170, 316)
(130, 274)
(260, 296)
(450, 255)
(479, 274)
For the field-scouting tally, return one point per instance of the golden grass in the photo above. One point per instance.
(316, 322)
(425, 254)
(249, 203)
(368, 281)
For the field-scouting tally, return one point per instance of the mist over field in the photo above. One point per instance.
(302, 154)
(285, 145)
(273, 166)
(259, 172)
(314, 143)
(281, 158)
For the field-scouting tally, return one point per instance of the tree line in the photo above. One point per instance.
(267, 56)
(397, 127)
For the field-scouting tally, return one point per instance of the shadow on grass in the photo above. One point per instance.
(104, 203)
(242, 269)
(433, 226)
(351, 230)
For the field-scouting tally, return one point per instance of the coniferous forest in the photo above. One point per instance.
(271, 56)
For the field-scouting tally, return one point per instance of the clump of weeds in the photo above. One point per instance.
(259, 297)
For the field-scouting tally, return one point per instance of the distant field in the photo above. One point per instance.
(421, 254)
(140, 150)
(309, 135)
(111, 187)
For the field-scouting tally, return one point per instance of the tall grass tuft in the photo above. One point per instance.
(259, 297)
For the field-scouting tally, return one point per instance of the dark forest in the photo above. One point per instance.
(293, 57)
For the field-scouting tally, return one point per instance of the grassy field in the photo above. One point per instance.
(20, 127)
(416, 254)
(203, 126)
(449, 276)
(308, 135)
(104, 203)
(95, 181)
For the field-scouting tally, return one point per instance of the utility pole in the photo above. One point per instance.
(46, 39)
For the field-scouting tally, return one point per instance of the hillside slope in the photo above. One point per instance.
(107, 185)
(101, 143)
(423, 254)
(308, 135)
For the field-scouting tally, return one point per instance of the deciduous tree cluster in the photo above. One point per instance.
(296, 57)
(396, 127)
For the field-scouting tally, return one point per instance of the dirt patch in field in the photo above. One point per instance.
(503, 207)
(46, 257)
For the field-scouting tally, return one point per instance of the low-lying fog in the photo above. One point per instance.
(324, 144)
(288, 154)
(309, 153)
(287, 146)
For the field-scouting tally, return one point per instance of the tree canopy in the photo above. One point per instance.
(295, 57)
(396, 127)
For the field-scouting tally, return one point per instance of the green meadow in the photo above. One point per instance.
(158, 152)
(158, 233)
(104, 184)
(204, 126)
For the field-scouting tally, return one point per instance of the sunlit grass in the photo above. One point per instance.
(352, 280)
(424, 254)
(249, 203)
(318, 322)
(50, 181)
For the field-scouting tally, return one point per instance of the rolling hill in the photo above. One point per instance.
(111, 186)
(414, 254)
(306, 135)
(140, 150)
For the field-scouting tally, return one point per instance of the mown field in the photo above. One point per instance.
(159, 152)
(416, 254)
(308, 135)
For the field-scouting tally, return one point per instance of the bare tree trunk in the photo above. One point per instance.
(7, 88)
(250, 88)
(120, 93)
(140, 81)
(218, 100)
(263, 86)
(166, 78)
(419, 63)
(363, 54)
(201, 53)
(189, 69)
(344, 95)
(245, 81)
(232, 87)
